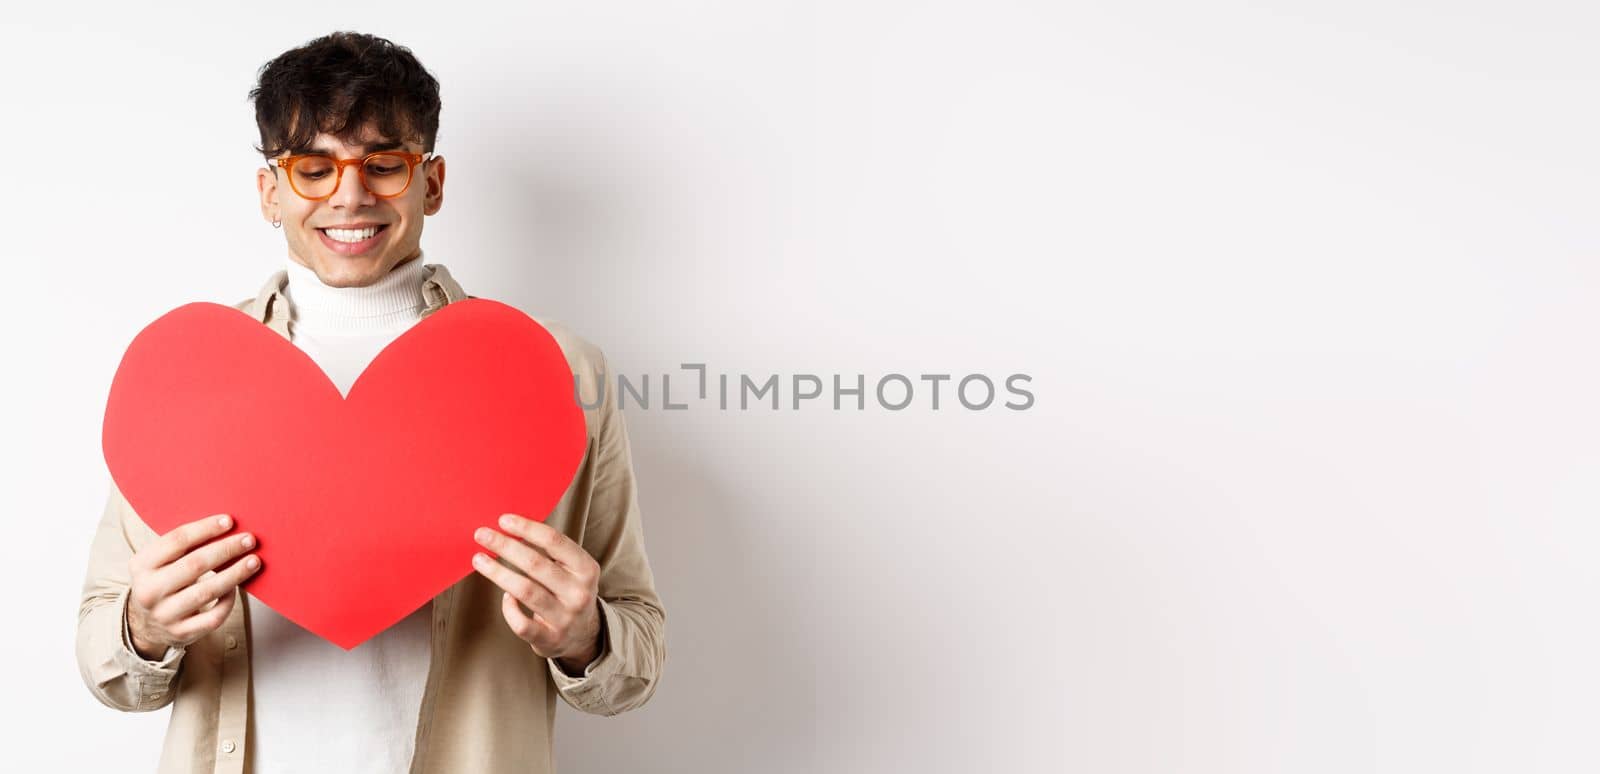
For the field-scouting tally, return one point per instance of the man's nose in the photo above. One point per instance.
(352, 194)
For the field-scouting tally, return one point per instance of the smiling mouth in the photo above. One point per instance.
(352, 235)
(352, 241)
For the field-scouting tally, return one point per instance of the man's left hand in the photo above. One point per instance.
(551, 589)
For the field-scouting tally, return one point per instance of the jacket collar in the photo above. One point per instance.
(271, 306)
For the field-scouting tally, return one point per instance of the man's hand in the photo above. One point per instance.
(551, 590)
(178, 593)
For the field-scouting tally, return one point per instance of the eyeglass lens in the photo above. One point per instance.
(316, 176)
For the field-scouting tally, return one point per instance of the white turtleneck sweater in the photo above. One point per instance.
(315, 706)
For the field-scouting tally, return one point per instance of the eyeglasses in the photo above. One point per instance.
(386, 174)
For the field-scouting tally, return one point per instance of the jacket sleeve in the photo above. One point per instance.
(117, 676)
(633, 622)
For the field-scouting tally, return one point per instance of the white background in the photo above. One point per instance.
(1306, 290)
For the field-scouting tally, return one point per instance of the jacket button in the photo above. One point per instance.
(233, 642)
(228, 746)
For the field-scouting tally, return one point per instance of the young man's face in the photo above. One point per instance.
(337, 260)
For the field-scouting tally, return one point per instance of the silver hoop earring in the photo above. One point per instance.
(277, 223)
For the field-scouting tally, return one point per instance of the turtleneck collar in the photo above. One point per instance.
(394, 300)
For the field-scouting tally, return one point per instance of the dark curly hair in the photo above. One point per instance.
(340, 83)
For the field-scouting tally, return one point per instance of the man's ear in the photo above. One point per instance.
(433, 174)
(267, 186)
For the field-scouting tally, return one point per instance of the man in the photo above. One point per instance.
(468, 682)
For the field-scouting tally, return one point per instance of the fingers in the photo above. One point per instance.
(213, 586)
(178, 591)
(207, 621)
(522, 588)
(180, 539)
(533, 629)
(172, 578)
(558, 546)
(531, 561)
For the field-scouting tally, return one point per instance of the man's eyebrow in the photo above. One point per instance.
(365, 149)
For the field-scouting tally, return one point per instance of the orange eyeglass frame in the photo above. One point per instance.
(412, 160)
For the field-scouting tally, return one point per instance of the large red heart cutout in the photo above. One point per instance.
(364, 505)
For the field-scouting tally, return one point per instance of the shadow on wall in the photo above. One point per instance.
(738, 693)
(587, 222)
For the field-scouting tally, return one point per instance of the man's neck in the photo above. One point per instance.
(395, 299)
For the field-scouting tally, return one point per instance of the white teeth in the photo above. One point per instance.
(350, 235)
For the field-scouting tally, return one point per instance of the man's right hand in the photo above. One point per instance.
(181, 590)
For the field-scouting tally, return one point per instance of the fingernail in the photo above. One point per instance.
(225, 522)
(252, 562)
(248, 541)
(483, 535)
(480, 559)
(508, 521)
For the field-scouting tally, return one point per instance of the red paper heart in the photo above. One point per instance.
(364, 505)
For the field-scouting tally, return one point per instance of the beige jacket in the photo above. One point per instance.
(489, 704)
